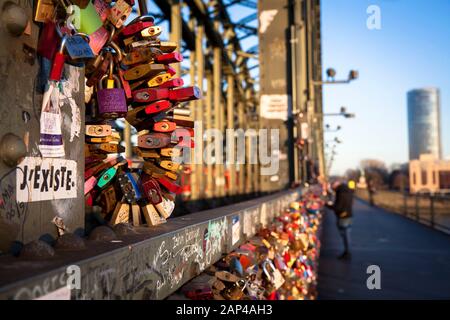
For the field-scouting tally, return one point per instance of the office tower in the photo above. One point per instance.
(424, 130)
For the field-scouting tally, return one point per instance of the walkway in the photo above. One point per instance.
(414, 259)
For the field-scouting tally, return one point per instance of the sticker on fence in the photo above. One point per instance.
(235, 230)
(40, 179)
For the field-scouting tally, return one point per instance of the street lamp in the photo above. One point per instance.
(331, 73)
(336, 139)
(343, 112)
(327, 126)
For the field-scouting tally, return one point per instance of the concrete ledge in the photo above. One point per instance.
(151, 264)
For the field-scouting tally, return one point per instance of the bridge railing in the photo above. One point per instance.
(430, 209)
(151, 264)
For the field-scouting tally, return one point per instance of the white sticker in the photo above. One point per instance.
(40, 179)
(274, 106)
(235, 230)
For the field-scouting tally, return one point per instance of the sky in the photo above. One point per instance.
(411, 50)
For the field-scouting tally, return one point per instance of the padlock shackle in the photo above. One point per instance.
(119, 53)
(145, 17)
(85, 36)
(106, 76)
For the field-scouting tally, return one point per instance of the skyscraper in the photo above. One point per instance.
(424, 129)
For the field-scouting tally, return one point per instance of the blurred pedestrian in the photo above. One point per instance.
(371, 189)
(342, 207)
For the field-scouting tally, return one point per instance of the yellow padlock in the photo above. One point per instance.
(159, 80)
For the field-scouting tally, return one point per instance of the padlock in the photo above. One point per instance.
(236, 291)
(154, 140)
(136, 27)
(108, 199)
(106, 148)
(170, 152)
(97, 168)
(77, 46)
(144, 70)
(49, 40)
(89, 19)
(119, 13)
(129, 186)
(158, 80)
(45, 10)
(148, 43)
(169, 185)
(149, 95)
(164, 126)
(136, 215)
(58, 62)
(167, 46)
(112, 102)
(102, 139)
(98, 39)
(167, 58)
(151, 32)
(89, 184)
(121, 213)
(169, 165)
(151, 215)
(166, 208)
(172, 83)
(171, 70)
(102, 8)
(107, 175)
(226, 276)
(95, 158)
(104, 64)
(185, 94)
(97, 130)
(151, 189)
(146, 153)
(153, 170)
(182, 121)
(273, 274)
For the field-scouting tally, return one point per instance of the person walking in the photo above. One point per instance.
(342, 207)
(371, 189)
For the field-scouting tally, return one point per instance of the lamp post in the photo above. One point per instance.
(318, 128)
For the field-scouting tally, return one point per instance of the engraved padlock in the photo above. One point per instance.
(111, 101)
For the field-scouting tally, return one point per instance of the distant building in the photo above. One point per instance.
(429, 174)
(424, 130)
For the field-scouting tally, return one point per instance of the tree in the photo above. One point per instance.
(375, 171)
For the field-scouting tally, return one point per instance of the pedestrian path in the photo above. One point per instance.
(414, 259)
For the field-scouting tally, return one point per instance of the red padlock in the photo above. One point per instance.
(170, 186)
(171, 70)
(157, 107)
(164, 126)
(185, 94)
(58, 62)
(173, 83)
(48, 40)
(135, 28)
(167, 58)
(150, 94)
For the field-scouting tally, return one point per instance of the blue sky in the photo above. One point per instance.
(411, 50)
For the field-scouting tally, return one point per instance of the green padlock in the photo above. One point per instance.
(106, 177)
(89, 20)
